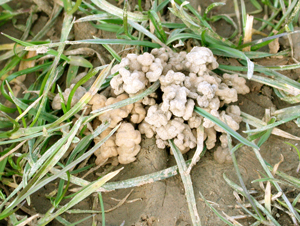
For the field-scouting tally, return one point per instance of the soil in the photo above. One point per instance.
(163, 203)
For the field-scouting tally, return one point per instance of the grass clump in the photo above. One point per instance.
(28, 124)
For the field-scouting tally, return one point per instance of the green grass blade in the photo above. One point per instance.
(72, 72)
(211, 6)
(157, 25)
(236, 54)
(79, 61)
(215, 211)
(83, 80)
(112, 52)
(96, 17)
(85, 192)
(99, 41)
(224, 126)
(87, 96)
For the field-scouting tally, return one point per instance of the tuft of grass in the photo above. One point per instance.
(35, 124)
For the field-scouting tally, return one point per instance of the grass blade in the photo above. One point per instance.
(104, 5)
(224, 126)
(187, 182)
(215, 211)
(85, 192)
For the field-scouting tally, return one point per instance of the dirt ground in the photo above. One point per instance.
(163, 203)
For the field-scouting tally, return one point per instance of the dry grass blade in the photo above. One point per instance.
(12, 150)
(104, 5)
(28, 220)
(199, 149)
(133, 182)
(187, 182)
(248, 32)
(251, 120)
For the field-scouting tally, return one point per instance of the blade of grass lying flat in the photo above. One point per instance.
(63, 221)
(29, 133)
(75, 223)
(173, 25)
(287, 116)
(224, 126)
(187, 182)
(257, 44)
(27, 44)
(11, 53)
(127, 101)
(284, 67)
(287, 97)
(286, 112)
(288, 82)
(104, 5)
(180, 36)
(97, 41)
(96, 17)
(258, 123)
(129, 183)
(284, 84)
(85, 192)
(79, 61)
(274, 180)
(109, 27)
(236, 54)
